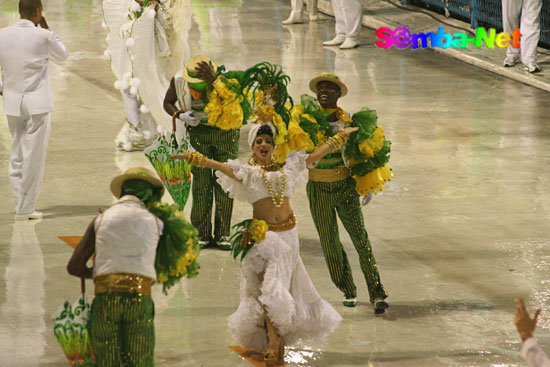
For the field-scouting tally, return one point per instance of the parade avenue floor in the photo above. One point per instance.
(461, 230)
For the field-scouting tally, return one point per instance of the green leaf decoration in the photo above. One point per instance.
(264, 76)
(238, 89)
(312, 108)
(310, 128)
(380, 159)
(366, 121)
(174, 244)
(237, 237)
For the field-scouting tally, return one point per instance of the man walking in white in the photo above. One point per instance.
(348, 14)
(296, 16)
(25, 51)
(529, 28)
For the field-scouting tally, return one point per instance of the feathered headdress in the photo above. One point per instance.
(270, 80)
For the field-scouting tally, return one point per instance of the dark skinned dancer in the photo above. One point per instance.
(210, 140)
(331, 191)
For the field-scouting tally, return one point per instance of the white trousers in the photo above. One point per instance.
(348, 14)
(298, 6)
(529, 27)
(30, 134)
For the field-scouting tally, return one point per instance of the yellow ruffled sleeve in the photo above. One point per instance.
(374, 181)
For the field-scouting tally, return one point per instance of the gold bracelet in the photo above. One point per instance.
(334, 143)
(191, 158)
(195, 159)
(203, 164)
(337, 141)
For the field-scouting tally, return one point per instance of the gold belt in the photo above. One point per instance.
(123, 282)
(329, 174)
(284, 226)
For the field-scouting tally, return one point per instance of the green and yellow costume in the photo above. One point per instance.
(223, 110)
(121, 327)
(337, 181)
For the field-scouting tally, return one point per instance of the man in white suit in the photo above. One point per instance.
(25, 51)
(348, 14)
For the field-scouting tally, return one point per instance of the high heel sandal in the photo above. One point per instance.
(275, 357)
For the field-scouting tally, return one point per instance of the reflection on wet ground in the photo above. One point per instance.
(461, 231)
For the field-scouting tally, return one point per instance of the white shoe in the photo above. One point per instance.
(30, 216)
(313, 17)
(334, 42)
(293, 19)
(510, 61)
(348, 44)
(532, 68)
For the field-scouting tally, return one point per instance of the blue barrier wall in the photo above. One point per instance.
(483, 13)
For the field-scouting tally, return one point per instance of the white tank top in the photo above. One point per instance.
(126, 238)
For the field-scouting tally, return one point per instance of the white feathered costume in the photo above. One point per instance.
(146, 48)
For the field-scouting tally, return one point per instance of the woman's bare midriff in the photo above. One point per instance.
(265, 210)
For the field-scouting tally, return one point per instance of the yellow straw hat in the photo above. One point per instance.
(139, 173)
(190, 71)
(328, 77)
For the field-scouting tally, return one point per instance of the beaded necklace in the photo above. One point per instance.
(277, 195)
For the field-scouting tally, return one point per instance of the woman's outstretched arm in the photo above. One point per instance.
(207, 163)
(331, 145)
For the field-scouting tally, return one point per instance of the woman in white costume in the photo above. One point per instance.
(147, 44)
(279, 303)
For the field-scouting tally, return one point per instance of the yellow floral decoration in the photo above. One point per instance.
(257, 229)
(282, 132)
(370, 146)
(296, 138)
(224, 107)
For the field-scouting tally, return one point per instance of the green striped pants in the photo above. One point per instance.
(122, 330)
(220, 145)
(326, 199)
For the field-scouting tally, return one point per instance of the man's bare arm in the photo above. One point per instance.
(82, 253)
(170, 99)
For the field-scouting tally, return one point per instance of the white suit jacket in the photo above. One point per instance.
(25, 51)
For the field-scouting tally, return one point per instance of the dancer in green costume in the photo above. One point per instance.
(136, 242)
(213, 122)
(331, 191)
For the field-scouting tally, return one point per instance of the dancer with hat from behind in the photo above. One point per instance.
(132, 241)
(331, 190)
(213, 122)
